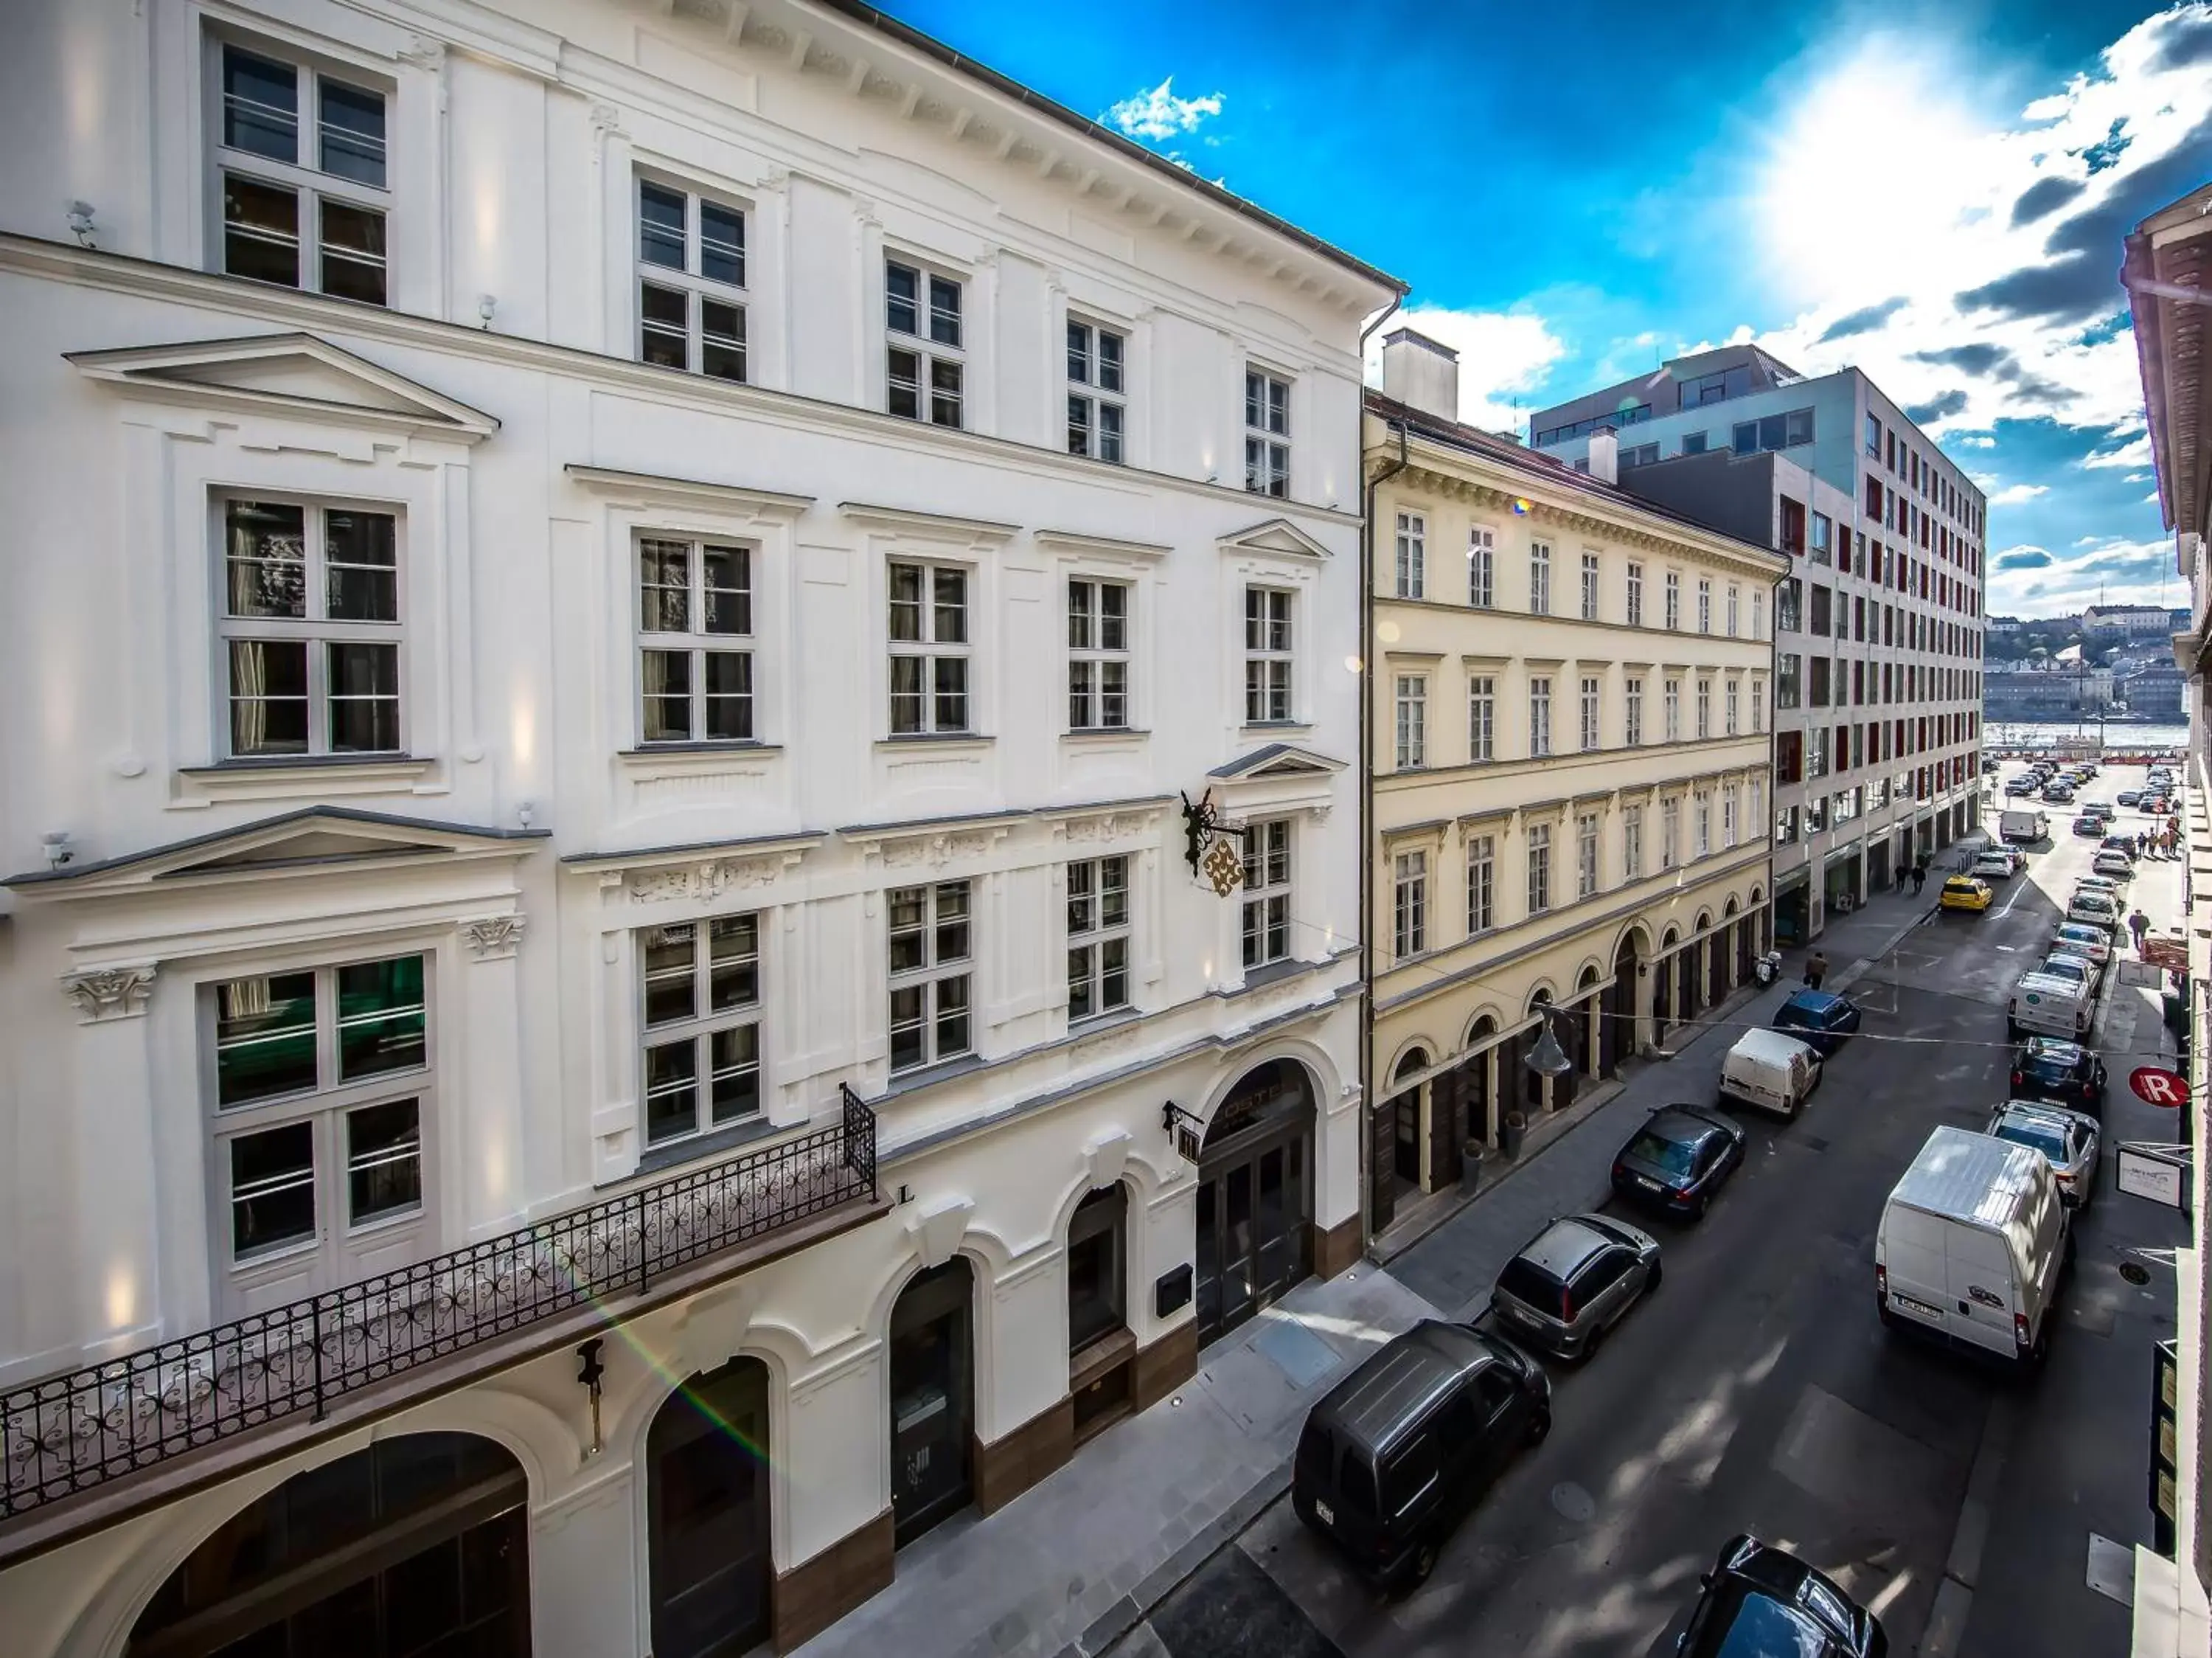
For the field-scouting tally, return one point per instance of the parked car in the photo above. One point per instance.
(2098, 809)
(2076, 939)
(1964, 892)
(2089, 824)
(2059, 1073)
(2057, 793)
(2052, 1004)
(2019, 787)
(2068, 1140)
(1760, 1600)
(1992, 865)
(1972, 1246)
(2118, 865)
(1820, 1019)
(1573, 1281)
(1398, 1451)
(2064, 964)
(1770, 1070)
(1679, 1158)
(2094, 908)
(2123, 845)
(2017, 854)
(2105, 884)
(2128, 796)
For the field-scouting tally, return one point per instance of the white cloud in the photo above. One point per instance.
(2114, 572)
(1949, 186)
(1158, 113)
(1500, 353)
(2013, 495)
(2133, 453)
(1973, 440)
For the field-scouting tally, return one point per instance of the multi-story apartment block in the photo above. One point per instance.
(1572, 788)
(611, 1008)
(2167, 266)
(1878, 628)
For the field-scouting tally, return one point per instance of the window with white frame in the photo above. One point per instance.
(1268, 655)
(1590, 586)
(1097, 937)
(300, 167)
(1267, 911)
(1728, 816)
(1631, 843)
(1097, 359)
(323, 1093)
(1413, 555)
(1670, 833)
(1729, 708)
(1632, 730)
(1705, 606)
(310, 629)
(702, 1026)
(1758, 615)
(1635, 612)
(1586, 855)
(1702, 816)
(1539, 578)
(1482, 884)
(1671, 696)
(932, 957)
(1482, 567)
(1413, 709)
(924, 364)
(1758, 818)
(1481, 717)
(1097, 655)
(1589, 732)
(690, 281)
(928, 630)
(1540, 868)
(694, 626)
(1759, 705)
(1267, 434)
(1735, 594)
(1674, 614)
(1704, 709)
(1409, 904)
(1540, 715)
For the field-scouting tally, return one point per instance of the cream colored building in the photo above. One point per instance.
(1572, 777)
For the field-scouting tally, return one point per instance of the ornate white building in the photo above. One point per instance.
(610, 1006)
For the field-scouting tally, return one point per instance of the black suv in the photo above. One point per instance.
(1401, 1448)
(1761, 1600)
(2059, 1073)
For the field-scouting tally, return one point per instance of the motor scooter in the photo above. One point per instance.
(1767, 968)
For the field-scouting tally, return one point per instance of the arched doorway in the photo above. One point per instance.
(1686, 981)
(1707, 967)
(933, 1364)
(1406, 1114)
(1739, 933)
(707, 1514)
(1662, 989)
(417, 1544)
(1762, 936)
(1254, 1200)
(1584, 1053)
(1616, 1031)
(1481, 1099)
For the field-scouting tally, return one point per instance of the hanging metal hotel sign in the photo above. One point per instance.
(1207, 847)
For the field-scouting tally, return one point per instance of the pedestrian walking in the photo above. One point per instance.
(2139, 924)
(1816, 969)
(1919, 878)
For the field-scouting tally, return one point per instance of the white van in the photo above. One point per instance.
(2051, 1005)
(1972, 1246)
(1769, 1071)
(2029, 827)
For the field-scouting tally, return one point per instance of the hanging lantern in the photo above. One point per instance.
(1549, 1058)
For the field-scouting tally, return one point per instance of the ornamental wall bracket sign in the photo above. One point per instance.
(1186, 1130)
(1207, 848)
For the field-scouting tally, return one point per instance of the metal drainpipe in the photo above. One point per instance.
(1367, 795)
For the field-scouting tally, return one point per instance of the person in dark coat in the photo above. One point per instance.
(1816, 969)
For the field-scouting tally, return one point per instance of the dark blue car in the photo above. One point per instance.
(1819, 1018)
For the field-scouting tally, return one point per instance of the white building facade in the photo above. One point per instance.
(606, 959)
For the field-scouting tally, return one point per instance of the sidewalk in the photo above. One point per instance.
(1073, 1563)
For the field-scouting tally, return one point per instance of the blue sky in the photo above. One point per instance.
(1576, 190)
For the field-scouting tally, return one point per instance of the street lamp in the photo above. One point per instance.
(1547, 1059)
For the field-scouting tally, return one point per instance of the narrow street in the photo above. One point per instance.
(1756, 1391)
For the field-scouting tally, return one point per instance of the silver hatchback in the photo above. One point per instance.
(1572, 1281)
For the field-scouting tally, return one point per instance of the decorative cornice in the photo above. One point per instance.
(710, 878)
(494, 938)
(106, 993)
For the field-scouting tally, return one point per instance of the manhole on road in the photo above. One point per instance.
(1573, 1502)
(2134, 1272)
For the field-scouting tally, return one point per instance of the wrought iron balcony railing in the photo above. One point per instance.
(72, 1433)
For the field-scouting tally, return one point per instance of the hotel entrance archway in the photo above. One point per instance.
(1254, 1200)
(707, 1519)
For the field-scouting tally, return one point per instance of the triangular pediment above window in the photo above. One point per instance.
(1275, 535)
(293, 373)
(1277, 759)
(317, 838)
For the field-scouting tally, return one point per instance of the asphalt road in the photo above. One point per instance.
(1756, 1391)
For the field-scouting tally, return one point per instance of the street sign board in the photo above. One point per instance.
(2158, 1173)
(2154, 1086)
(2164, 950)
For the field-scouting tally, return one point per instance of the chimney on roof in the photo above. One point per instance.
(1418, 371)
(1605, 455)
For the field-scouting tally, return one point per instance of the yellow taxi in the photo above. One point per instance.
(1965, 893)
